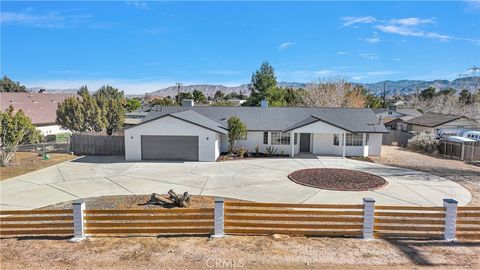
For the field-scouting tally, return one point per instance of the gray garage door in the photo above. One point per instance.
(170, 148)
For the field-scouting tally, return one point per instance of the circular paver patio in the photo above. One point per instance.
(263, 180)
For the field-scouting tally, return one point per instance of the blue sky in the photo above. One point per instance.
(144, 46)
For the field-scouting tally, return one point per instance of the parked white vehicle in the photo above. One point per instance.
(474, 135)
(458, 139)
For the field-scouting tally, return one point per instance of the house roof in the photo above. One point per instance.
(433, 119)
(41, 108)
(410, 112)
(278, 118)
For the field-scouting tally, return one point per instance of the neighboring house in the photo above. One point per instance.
(394, 119)
(200, 133)
(41, 108)
(440, 124)
(134, 118)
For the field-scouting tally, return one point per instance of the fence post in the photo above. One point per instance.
(219, 217)
(450, 219)
(78, 221)
(368, 218)
(462, 152)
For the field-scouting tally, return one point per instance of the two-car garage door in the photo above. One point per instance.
(157, 147)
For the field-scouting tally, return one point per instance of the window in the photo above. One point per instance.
(279, 138)
(265, 137)
(354, 139)
(336, 140)
(367, 139)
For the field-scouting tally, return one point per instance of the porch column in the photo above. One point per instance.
(344, 138)
(292, 144)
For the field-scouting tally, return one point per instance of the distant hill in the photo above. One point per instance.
(411, 86)
(392, 87)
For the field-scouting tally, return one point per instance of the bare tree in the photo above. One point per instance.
(447, 104)
(332, 93)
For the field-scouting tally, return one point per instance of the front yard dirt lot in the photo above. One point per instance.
(25, 162)
(237, 252)
(455, 170)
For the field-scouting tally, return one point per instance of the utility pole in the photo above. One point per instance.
(178, 92)
(384, 95)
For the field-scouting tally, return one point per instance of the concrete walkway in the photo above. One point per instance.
(256, 180)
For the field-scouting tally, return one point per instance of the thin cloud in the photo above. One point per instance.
(412, 21)
(369, 56)
(323, 72)
(403, 26)
(285, 45)
(138, 4)
(348, 21)
(381, 73)
(51, 19)
(342, 53)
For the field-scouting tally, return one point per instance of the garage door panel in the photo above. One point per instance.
(156, 147)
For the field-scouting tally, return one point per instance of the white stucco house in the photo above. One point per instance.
(200, 133)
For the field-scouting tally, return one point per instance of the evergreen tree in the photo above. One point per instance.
(263, 85)
(7, 85)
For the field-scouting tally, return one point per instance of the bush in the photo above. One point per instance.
(425, 142)
(271, 151)
(240, 151)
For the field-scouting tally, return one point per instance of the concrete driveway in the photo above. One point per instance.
(263, 180)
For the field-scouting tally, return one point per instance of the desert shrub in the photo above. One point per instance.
(240, 151)
(271, 151)
(425, 142)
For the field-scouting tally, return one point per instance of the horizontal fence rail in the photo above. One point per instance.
(36, 222)
(468, 223)
(365, 220)
(148, 221)
(409, 222)
(246, 218)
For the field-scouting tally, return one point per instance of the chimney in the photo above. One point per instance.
(188, 103)
(264, 103)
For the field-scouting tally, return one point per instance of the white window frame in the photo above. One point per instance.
(280, 138)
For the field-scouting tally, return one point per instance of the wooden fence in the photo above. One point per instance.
(101, 145)
(149, 221)
(36, 222)
(249, 218)
(276, 218)
(409, 221)
(396, 136)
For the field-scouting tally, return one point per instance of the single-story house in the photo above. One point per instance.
(394, 118)
(200, 133)
(41, 108)
(440, 124)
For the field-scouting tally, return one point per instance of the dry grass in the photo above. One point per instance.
(25, 162)
(255, 252)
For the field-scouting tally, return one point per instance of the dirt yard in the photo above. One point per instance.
(457, 171)
(25, 162)
(235, 252)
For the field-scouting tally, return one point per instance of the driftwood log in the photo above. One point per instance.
(170, 201)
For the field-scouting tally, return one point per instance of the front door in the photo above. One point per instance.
(304, 142)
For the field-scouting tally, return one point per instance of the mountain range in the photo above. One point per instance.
(391, 87)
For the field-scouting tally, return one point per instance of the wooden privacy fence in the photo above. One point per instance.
(248, 218)
(101, 145)
(396, 136)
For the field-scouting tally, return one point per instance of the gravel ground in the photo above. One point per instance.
(458, 171)
(337, 179)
